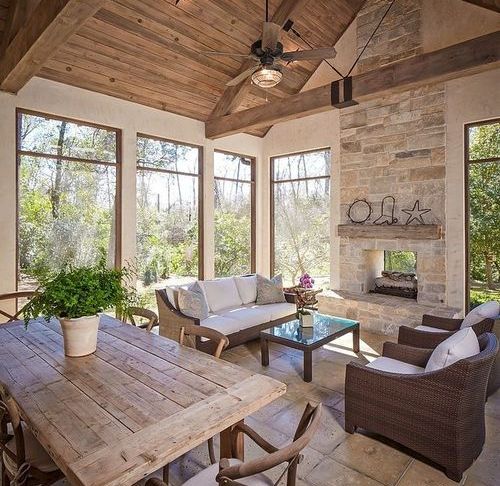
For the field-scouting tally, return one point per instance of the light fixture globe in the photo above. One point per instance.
(267, 76)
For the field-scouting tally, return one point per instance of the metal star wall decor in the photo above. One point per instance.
(416, 213)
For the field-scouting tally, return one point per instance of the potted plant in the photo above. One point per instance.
(77, 296)
(305, 317)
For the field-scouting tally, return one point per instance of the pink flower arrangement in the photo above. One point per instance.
(306, 281)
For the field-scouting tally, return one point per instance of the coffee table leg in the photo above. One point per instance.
(355, 340)
(308, 371)
(264, 351)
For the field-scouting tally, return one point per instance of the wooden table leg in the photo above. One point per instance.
(264, 351)
(355, 340)
(232, 443)
(307, 365)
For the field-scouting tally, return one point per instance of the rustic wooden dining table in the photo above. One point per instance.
(136, 404)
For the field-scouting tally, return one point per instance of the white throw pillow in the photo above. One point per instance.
(270, 291)
(486, 310)
(247, 288)
(221, 293)
(192, 302)
(460, 345)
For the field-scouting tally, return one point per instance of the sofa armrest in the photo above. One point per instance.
(444, 323)
(407, 354)
(290, 297)
(421, 339)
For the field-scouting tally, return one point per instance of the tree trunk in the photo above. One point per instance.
(55, 192)
(488, 261)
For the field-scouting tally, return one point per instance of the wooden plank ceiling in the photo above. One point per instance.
(149, 51)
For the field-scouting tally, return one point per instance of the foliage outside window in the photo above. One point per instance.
(301, 216)
(168, 223)
(234, 196)
(483, 171)
(400, 261)
(67, 174)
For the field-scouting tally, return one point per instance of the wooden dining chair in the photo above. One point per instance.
(188, 336)
(22, 294)
(24, 460)
(229, 471)
(149, 315)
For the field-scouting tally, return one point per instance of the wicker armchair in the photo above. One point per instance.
(429, 340)
(438, 414)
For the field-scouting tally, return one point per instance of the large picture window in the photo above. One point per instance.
(168, 214)
(67, 194)
(234, 214)
(482, 176)
(300, 215)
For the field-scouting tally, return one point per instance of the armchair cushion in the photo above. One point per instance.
(487, 310)
(192, 302)
(429, 329)
(394, 366)
(247, 288)
(460, 345)
(221, 293)
(208, 475)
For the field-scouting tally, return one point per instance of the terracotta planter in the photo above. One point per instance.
(80, 335)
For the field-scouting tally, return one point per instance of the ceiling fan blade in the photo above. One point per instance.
(242, 76)
(230, 54)
(270, 35)
(311, 55)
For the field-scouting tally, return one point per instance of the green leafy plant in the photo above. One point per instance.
(81, 291)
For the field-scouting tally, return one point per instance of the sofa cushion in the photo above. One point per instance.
(486, 310)
(278, 310)
(460, 345)
(429, 329)
(192, 302)
(173, 293)
(225, 325)
(221, 293)
(270, 291)
(394, 366)
(247, 316)
(247, 288)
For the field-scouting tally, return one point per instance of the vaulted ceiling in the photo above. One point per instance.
(150, 51)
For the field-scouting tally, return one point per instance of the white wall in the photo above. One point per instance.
(59, 99)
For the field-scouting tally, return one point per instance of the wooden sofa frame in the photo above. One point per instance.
(171, 321)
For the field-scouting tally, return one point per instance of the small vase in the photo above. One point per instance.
(306, 320)
(80, 335)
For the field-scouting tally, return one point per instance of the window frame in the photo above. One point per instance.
(253, 193)
(199, 175)
(272, 259)
(467, 163)
(117, 164)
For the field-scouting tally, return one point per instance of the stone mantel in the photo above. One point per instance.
(391, 232)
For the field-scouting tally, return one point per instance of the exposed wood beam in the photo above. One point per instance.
(489, 4)
(472, 56)
(233, 95)
(50, 24)
(16, 16)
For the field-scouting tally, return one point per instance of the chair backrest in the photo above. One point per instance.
(152, 318)
(24, 294)
(189, 333)
(306, 429)
(9, 413)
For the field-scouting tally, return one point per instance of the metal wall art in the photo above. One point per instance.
(360, 211)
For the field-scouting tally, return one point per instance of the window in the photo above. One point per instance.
(234, 214)
(300, 215)
(482, 179)
(68, 206)
(168, 214)
(400, 261)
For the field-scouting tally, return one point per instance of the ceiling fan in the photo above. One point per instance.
(269, 57)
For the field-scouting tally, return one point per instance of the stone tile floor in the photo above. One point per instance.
(335, 458)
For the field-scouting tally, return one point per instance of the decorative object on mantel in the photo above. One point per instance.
(359, 211)
(416, 213)
(391, 232)
(385, 218)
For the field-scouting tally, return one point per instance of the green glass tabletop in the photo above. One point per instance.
(324, 327)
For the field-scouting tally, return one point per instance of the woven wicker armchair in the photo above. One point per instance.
(438, 414)
(429, 340)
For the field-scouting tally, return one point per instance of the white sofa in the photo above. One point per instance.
(232, 309)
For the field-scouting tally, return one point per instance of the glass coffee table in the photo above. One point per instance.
(307, 339)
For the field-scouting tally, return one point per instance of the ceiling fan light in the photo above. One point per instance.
(267, 77)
